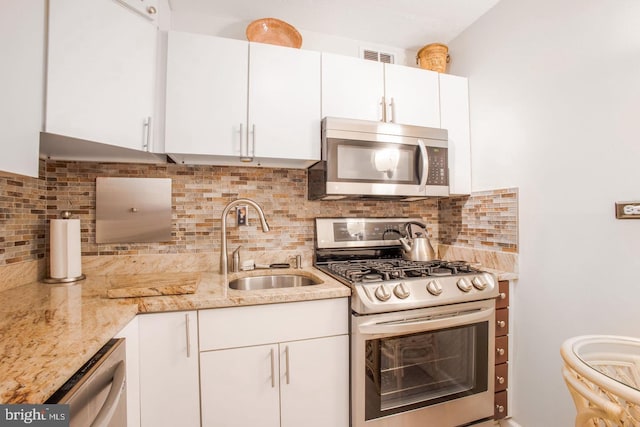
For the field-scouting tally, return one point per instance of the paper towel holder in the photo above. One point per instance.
(64, 280)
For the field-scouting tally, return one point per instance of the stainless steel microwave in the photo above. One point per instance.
(377, 160)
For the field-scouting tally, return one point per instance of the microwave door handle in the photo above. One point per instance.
(425, 165)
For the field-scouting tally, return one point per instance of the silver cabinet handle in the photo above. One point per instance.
(146, 145)
(500, 408)
(383, 107)
(500, 351)
(425, 165)
(501, 323)
(273, 368)
(245, 156)
(503, 295)
(253, 142)
(393, 111)
(500, 380)
(287, 372)
(186, 319)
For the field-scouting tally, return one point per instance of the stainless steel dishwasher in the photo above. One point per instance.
(96, 393)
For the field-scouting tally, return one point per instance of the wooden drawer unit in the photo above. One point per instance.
(502, 377)
(502, 351)
(501, 405)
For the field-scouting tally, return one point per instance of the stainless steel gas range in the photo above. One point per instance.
(422, 332)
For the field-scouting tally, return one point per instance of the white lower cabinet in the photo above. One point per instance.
(276, 365)
(169, 384)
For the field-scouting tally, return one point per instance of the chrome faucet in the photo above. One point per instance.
(224, 257)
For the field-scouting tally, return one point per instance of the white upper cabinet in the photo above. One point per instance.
(352, 88)
(101, 74)
(454, 109)
(412, 96)
(231, 102)
(360, 89)
(206, 103)
(284, 103)
(21, 84)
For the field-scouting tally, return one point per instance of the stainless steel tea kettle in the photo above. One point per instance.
(417, 248)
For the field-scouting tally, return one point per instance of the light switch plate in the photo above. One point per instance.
(628, 210)
(133, 210)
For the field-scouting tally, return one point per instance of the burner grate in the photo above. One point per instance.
(374, 270)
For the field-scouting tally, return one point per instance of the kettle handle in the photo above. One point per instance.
(407, 227)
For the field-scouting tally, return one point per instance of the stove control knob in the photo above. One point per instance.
(382, 293)
(401, 291)
(464, 285)
(434, 288)
(478, 283)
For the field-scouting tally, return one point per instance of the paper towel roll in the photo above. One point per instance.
(65, 254)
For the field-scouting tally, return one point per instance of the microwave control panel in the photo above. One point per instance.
(438, 166)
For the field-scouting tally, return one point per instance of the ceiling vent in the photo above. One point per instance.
(374, 55)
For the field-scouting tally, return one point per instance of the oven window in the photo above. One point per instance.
(412, 371)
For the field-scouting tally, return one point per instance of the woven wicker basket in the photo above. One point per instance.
(434, 57)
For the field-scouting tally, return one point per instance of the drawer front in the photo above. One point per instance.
(232, 327)
(502, 349)
(501, 405)
(502, 377)
(502, 322)
(503, 299)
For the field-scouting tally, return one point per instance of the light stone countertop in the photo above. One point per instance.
(47, 332)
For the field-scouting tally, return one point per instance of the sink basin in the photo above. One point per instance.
(272, 282)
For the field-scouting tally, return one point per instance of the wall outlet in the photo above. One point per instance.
(241, 215)
(628, 210)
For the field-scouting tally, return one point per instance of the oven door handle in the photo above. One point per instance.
(430, 322)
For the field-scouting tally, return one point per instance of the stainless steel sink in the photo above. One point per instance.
(272, 282)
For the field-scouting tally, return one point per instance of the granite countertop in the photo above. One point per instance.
(47, 332)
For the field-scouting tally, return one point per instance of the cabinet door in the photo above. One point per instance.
(101, 73)
(240, 387)
(412, 96)
(314, 382)
(21, 84)
(352, 88)
(284, 102)
(206, 104)
(454, 116)
(169, 384)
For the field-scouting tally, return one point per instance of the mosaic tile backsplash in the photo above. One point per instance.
(485, 220)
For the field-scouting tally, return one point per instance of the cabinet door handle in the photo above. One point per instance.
(392, 105)
(501, 323)
(253, 142)
(146, 145)
(500, 380)
(287, 372)
(383, 108)
(273, 368)
(500, 351)
(503, 295)
(187, 330)
(500, 408)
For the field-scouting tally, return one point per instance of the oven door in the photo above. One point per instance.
(424, 367)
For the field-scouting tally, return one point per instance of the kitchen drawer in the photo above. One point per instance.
(233, 327)
(503, 300)
(502, 349)
(502, 322)
(502, 377)
(500, 405)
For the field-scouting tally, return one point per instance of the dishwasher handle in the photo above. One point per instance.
(111, 403)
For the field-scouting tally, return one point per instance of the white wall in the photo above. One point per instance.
(555, 111)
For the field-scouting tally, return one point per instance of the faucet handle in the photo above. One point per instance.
(235, 263)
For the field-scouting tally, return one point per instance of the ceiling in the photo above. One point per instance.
(407, 24)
